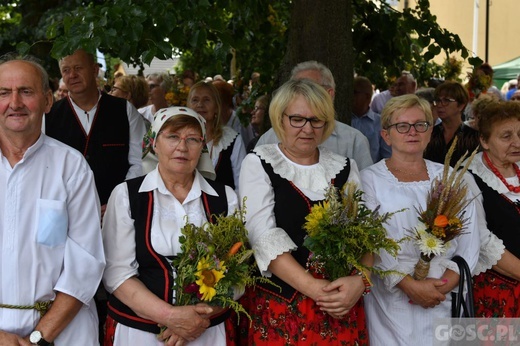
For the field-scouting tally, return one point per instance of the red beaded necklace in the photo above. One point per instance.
(515, 189)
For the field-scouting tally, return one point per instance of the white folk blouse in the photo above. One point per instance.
(268, 240)
(168, 219)
(391, 318)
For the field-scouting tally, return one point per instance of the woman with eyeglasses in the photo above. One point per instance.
(158, 86)
(450, 101)
(131, 88)
(259, 120)
(281, 182)
(141, 230)
(402, 310)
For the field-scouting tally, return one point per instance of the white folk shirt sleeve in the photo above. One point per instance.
(237, 156)
(137, 130)
(267, 240)
(50, 237)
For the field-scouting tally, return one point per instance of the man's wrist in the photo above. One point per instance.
(36, 338)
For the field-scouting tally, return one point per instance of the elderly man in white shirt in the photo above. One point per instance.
(345, 140)
(51, 254)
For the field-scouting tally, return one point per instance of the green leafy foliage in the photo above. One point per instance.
(215, 262)
(341, 230)
(230, 37)
(387, 41)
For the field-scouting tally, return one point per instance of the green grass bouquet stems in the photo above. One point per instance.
(341, 229)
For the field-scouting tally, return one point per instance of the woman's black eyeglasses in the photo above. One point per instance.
(420, 126)
(443, 102)
(298, 121)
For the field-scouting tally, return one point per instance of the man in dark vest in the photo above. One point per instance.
(108, 130)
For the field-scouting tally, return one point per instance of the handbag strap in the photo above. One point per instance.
(460, 303)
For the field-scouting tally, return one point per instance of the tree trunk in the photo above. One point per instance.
(322, 31)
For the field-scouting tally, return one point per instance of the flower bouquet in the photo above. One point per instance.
(177, 95)
(478, 83)
(443, 219)
(214, 264)
(342, 229)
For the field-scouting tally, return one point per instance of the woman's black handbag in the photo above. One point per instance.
(462, 301)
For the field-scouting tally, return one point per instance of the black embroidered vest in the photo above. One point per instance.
(224, 168)
(105, 148)
(502, 216)
(155, 270)
(290, 209)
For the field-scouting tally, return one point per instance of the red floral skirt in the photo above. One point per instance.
(277, 322)
(496, 295)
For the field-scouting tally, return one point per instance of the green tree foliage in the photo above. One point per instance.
(387, 41)
(230, 37)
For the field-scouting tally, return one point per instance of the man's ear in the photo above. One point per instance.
(49, 100)
(331, 92)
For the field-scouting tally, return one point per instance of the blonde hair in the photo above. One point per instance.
(137, 87)
(319, 100)
(217, 124)
(404, 102)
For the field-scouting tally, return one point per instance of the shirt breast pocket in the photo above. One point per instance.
(52, 224)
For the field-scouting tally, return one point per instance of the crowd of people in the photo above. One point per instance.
(97, 187)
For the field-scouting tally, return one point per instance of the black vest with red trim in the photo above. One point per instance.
(105, 148)
(291, 207)
(224, 168)
(155, 271)
(502, 216)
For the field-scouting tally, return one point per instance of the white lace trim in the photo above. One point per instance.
(228, 136)
(431, 169)
(490, 254)
(478, 168)
(329, 165)
(270, 245)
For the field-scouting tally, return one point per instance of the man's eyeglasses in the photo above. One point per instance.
(420, 126)
(443, 102)
(174, 140)
(298, 121)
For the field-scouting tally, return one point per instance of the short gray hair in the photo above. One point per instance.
(164, 79)
(327, 79)
(409, 76)
(34, 62)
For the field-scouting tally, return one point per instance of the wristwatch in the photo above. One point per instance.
(36, 338)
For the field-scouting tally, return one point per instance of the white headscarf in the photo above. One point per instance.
(204, 166)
